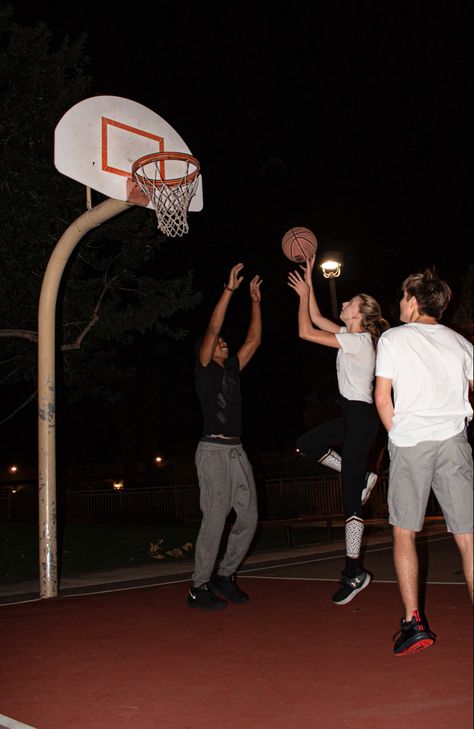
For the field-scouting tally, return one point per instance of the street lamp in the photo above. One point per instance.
(331, 267)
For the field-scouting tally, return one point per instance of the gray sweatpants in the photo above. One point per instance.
(225, 481)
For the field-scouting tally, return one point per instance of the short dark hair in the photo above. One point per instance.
(431, 292)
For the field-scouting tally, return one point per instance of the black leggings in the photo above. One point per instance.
(356, 429)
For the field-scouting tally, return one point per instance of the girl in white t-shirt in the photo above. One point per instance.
(358, 425)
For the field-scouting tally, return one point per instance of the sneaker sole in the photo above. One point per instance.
(415, 647)
(365, 496)
(350, 597)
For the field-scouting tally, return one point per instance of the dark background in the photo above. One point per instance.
(351, 118)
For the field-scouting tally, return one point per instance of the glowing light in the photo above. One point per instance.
(331, 265)
(13, 469)
(117, 485)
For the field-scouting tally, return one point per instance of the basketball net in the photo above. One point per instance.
(170, 197)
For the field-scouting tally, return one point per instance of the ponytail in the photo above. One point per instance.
(372, 320)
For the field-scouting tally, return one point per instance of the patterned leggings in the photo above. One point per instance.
(356, 430)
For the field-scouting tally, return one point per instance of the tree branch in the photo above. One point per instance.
(92, 321)
(19, 334)
(14, 412)
(76, 344)
(79, 339)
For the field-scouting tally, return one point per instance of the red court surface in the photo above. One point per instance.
(139, 658)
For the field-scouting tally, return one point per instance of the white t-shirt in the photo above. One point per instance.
(355, 365)
(429, 365)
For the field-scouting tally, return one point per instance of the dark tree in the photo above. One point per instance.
(113, 292)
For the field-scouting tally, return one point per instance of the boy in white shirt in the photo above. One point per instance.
(429, 368)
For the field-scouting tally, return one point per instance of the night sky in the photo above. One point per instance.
(350, 118)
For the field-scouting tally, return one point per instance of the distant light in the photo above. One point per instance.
(117, 485)
(13, 469)
(158, 459)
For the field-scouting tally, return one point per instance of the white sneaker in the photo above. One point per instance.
(331, 459)
(370, 481)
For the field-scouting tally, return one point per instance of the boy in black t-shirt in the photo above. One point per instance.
(225, 475)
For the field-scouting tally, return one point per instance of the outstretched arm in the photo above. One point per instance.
(254, 334)
(305, 327)
(216, 321)
(316, 317)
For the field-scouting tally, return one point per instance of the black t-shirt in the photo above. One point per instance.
(218, 390)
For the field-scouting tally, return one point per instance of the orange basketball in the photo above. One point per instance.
(298, 244)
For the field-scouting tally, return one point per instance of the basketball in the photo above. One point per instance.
(298, 244)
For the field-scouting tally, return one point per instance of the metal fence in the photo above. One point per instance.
(278, 498)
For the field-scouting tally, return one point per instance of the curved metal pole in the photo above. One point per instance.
(47, 387)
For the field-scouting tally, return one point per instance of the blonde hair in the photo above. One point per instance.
(372, 320)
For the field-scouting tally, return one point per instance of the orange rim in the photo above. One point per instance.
(163, 157)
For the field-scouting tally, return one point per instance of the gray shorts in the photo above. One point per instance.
(444, 466)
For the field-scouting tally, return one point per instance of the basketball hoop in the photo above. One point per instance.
(169, 180)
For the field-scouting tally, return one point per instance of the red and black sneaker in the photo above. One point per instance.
(414, 636)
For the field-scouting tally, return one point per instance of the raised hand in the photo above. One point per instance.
(255, 289)
(298, 284)
(307, 267)
(234, 279)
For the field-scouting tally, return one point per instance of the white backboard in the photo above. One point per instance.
(97, 141)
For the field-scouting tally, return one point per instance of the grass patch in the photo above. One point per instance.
(19, 552)
(91, 547)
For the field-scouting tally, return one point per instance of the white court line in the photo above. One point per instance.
(98, 592)
(244, 572)
(18, 602)
(332, 579)
(294, 579)
(326, 559)
(7, 723)
(132, 587)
